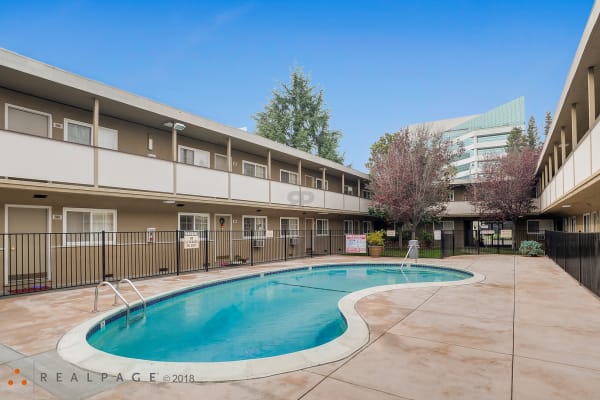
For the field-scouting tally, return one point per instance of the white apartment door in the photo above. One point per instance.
(222, 239)
(27, 261)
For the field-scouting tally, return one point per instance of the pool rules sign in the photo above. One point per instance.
(356, 243)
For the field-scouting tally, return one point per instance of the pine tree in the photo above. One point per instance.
(547, 123)
(516, 140)
(532, 133)
(295, 116)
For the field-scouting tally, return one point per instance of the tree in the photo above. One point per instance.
(379, 147)
(532, 133)
(504, 189)
(516, 140)
(296, 116)
(547, 123)
(410, 178)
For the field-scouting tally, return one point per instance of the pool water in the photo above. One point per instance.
(255, 317)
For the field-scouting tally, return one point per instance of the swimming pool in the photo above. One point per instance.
(271, 318)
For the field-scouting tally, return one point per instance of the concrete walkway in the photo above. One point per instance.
(529, 331)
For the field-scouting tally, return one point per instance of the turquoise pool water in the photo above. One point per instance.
(253, 317)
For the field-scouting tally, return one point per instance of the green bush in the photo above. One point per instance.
(426, 238)
(406, 235)
(531, 248)
(375, 238)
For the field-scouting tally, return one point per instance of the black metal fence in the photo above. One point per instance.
(454, 243)
(34, 262)
(578, 254)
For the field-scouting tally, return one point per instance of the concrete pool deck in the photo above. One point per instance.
(528, 331)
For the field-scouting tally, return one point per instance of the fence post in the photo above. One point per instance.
(441, 244)
(177, 252)
(311, 243)
(103, 255)
(329, 239)
(453, 245)
(251, 249)
(285, 245)
(206, 250)
(579, 251)
(477, 238)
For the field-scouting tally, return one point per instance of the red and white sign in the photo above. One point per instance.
(356, 243)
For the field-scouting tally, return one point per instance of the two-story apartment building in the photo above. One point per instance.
(80, 156)
(569, 166)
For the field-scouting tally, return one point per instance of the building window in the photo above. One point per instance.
(586, 222)
(322, 227)
(193, 223)
(288, 177)
(253, 169)
(349, 190)
(221, 162)
(288, 227)
(82, 225)
(447, 225)
(309, 181)
(348, 227)
(24, 120)
(254, 227)
(451, 195)
(367, 227)
(367, 194)
(191, 156)
(319, 184)
(78, 132)
(108, 138)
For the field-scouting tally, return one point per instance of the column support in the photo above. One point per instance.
(229, 167)
(299, 183)
(555, 159)
(95, 133)
(174, 156)
(591, 97)
(563, 145)
(573, 126)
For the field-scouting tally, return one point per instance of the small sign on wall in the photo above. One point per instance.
(506, 234)
(437, 234)
(269, 234)
(191, 242)
(390, 233)
(56, 217)
(150, 235)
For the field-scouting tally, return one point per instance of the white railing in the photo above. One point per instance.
(128, 171)
(197, 181)
(249, 188)
(25, 156)
(32, 157)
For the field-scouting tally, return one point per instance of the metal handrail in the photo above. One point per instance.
(135, 290)
(117, 293)
(406, 257)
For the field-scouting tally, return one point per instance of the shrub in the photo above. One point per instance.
(426, 238)
(531, 248)
(375, 238)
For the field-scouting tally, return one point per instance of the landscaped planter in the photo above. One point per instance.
(375, 251)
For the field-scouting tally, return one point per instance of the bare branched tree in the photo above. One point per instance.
(410, 177)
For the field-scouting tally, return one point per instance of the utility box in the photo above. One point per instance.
(413, 251)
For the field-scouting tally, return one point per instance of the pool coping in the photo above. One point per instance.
(74, 348)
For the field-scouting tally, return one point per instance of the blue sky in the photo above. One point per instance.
(382, 64)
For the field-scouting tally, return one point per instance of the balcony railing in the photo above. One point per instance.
(64, 162)
(581, 164)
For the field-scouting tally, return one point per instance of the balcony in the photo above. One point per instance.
(63, 162)
(579, 166)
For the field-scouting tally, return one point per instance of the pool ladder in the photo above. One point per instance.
(118, 295)
(407, 254)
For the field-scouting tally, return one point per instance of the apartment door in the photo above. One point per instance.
(222, 239)
(27, 259)
(309, 234)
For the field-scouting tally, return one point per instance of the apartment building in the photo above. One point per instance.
(483, 136)
(79, 156)
(569, 166)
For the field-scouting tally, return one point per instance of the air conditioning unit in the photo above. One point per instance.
(258, 243)
(293, 241)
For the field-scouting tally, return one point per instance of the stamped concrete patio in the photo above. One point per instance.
(528, 331)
